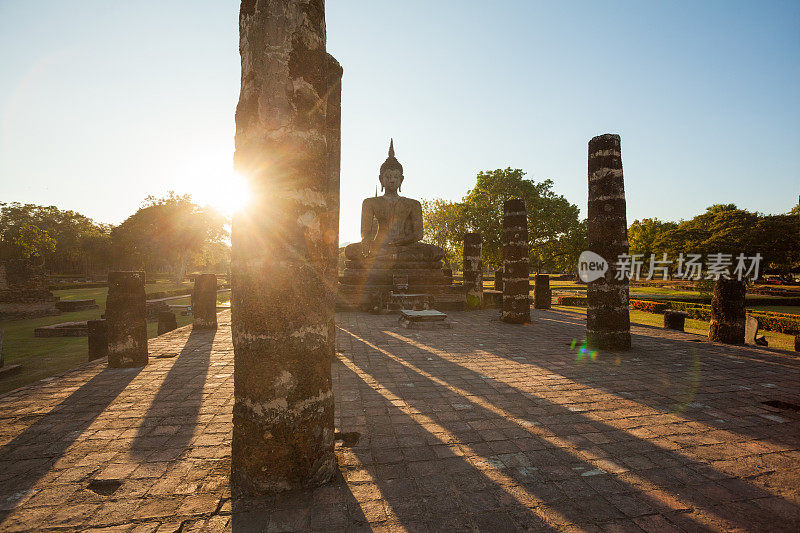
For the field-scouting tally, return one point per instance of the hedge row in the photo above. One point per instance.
(579, 301)
(649, 306)
(780, 322)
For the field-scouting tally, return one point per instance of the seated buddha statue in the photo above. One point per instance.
(391, 225)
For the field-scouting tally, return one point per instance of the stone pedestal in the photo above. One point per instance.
(473, 270)
(516, 263)
(674, 320)
(608, 324)
(126, 319)
(284, 249)
(498, 280)
(541, 292)
(204, 301)
(98, 339)
(167, 321)
(366, 279)
(24, 291)
(727, 312)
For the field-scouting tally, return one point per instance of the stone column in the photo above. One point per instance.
(541, 292)
(166, 322)
(516, 263)
(98, 339)
(498, 279)
(285, 249)
(126, 320)
(473, 270)
(727, 312)
(204, 301)
(608, 323)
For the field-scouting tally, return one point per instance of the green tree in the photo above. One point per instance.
(642, 235)
(33, 242)
(71, 231)
(168, 232)
(555, 232)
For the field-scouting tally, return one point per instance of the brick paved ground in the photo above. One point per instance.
(487, 426)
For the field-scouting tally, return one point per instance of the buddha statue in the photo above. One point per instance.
(391, 247)
(391, 225)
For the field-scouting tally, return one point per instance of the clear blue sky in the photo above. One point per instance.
(103, 102)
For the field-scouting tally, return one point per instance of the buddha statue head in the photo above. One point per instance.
(391, 174)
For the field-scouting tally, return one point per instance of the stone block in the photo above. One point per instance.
(126, 319)
(204, 301)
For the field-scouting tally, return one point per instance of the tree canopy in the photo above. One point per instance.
(65, 240)
(722, 228)
(169, 232)
(556, 234)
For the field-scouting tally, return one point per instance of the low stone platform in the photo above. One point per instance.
(486, 426)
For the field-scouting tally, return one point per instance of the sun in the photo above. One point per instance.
(231, 194)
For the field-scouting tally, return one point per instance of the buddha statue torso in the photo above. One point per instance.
(391, 225)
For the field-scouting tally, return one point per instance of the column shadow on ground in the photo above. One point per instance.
(172, 418)
(32, 453)
(331, 507)
(554, 330)
(678, 474)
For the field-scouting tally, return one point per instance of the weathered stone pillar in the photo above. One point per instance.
(167, 321)
(498, 279)
(727, 312)
(448, 276)
(608, 324)
(674, 319)
(516, 263)
(204, 301)
(126, 320)
(284, 249)
(98, 339)
(473, 270)
(541, 292)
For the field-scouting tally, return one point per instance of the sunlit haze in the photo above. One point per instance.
(104, 103)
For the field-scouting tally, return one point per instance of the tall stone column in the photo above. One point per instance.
(473, 270)
(608, 324)
(541, 292)
(516, 263)
(97, 331)
(498, 279)
(727, 312)
(204, 301)
(284, 249)
(126, 320)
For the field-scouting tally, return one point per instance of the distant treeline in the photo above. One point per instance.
(167, 234)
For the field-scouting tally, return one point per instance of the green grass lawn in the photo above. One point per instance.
(44, 357)
(775, 339)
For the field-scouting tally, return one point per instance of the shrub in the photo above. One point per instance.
(578, 301)
(649, 306)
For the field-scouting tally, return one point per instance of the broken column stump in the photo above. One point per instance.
(675, 319)
(727, 312)
(473, 270)
(541, 292)
(98, 339)
(126, 320)
(204, 301)
(498, 279)
(167, 321)
(608, 324)
(285, 249)
(516, 263)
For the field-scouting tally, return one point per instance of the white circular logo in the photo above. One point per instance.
(591, 266)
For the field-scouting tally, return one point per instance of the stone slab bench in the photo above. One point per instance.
(66, 306)
(64, 329)
(426, 318)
